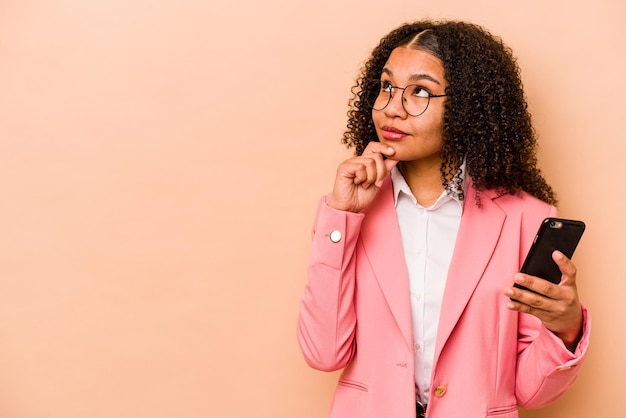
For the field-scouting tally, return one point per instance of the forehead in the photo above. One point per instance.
(405, 64)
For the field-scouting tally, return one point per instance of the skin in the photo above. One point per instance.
(557, 306)
(414, 143)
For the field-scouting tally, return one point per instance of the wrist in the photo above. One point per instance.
(571, 339)
(331, 203)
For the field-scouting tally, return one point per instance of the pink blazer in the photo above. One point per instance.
(355, 314)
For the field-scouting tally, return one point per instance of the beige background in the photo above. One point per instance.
(160, 164)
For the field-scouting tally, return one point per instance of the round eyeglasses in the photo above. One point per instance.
(415, 99)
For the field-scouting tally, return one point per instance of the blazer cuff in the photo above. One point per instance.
(335, 232)
(569, 358)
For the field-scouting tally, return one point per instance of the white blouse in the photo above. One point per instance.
(428, 238)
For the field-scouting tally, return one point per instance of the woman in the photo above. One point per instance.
(416, 249)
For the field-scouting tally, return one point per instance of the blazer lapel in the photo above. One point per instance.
(380, 235)
(478, 235)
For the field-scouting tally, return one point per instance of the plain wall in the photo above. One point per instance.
(160, 165)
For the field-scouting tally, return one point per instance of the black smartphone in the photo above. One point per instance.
(554, 234)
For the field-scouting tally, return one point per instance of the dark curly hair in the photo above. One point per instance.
(486, 120)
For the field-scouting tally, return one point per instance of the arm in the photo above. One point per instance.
(553, 337)
(327, 320)
(553, 334)
(546, 368)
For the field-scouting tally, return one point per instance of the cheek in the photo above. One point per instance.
(431, 127)
(376, 120)
(374, 115)
(435, 124)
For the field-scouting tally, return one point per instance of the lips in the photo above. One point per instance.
(392, 134)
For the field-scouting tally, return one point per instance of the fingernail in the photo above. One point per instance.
(508, 292)
(519, 278)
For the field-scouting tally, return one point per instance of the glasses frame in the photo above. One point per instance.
(391, 95)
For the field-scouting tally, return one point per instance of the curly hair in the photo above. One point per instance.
(486, 121)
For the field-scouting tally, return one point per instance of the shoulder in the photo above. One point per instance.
(510, 204)
(521, 202)
(521, 215)
(524, 211)
(521, 208)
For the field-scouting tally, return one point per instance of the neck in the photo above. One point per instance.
(425, 182)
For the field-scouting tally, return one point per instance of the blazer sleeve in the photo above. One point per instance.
(546, 368)
(327, 320)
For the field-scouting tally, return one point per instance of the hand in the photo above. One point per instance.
(556, 305)
(359, 178)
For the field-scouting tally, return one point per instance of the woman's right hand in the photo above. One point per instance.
(359, 178)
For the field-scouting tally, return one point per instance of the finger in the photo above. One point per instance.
(531, 303)
(384, 167)
(375, 152)
(352, 171)
(381, 168)
(360, 174)
(390, 164)
(387, 151)
(568, 269)
(563, 316)
(515, 305)
(371, 167)
(360, 171)
(527, 298)
(377, 147)
(536, 284)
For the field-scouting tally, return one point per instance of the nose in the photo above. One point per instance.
(395, 106)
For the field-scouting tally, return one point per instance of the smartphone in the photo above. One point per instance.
(554, 234)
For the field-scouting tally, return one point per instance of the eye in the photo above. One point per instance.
(420, 92)
(386, 86)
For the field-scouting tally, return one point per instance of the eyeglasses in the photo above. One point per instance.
(415, 99)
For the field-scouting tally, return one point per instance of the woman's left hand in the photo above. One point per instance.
(556, 305)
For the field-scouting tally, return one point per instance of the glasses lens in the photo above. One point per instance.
(415, 100)
(377, 94)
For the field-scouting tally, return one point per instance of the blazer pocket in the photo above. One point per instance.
(503, 412)
(352, 384)
(351, 400)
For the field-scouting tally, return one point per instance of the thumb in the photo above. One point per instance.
(566, 266)
(390, 163)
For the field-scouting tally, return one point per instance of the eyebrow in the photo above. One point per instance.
(414, 77)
